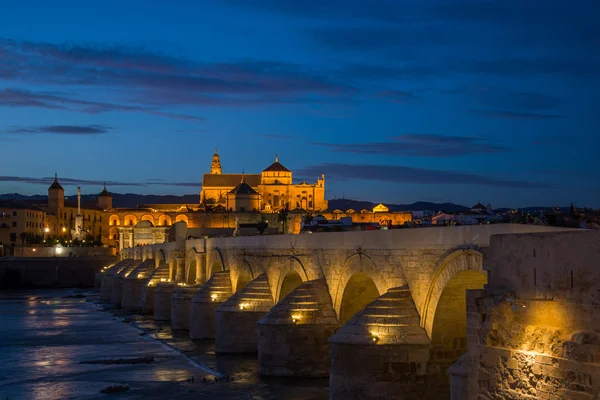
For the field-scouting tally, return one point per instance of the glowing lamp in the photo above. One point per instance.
(213, 297)
(374, 337)
(140, 275)
(243, 306)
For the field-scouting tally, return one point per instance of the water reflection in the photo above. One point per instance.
(46, 337)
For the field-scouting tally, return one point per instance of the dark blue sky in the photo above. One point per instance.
(395, 101)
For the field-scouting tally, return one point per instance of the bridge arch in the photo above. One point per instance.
(359, 292)
(160, 258)
(241, 276)
(191, 271)
(214, 262)
(443, 314)
(359, 281)
(291, 275)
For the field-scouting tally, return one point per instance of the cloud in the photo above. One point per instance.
(65, 181)
(24, 98)
(154, 80)
(425, 145)
(403, 174)
(60, 130)
(185, 184)
(501, 103)
(514, 115)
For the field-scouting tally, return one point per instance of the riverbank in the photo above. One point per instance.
(46, 272)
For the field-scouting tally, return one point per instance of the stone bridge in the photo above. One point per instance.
(382, 313)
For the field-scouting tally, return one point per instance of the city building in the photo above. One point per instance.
(20, 222)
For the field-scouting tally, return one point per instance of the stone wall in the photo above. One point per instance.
(65, 252)
(537, 335)
(18, 272)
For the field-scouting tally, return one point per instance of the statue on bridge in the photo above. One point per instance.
(236, 232)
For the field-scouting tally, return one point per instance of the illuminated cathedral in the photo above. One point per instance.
(270, 191)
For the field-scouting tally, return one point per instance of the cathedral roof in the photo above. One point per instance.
(243, 188)
(105, 192)
(55, 184)
(229, 180)
(276, 167)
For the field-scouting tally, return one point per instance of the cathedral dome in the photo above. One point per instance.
(276, 167)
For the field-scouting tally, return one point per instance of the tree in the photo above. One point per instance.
(262, 226)
(283, 217)
(24, 236)
(308, 218)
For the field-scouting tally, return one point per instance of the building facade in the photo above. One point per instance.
(18, 218)
(274, 186)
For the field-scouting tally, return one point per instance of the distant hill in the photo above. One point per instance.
(346, 204)
(122, 200)
(131, 200)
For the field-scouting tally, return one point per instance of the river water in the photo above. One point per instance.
(62, 344)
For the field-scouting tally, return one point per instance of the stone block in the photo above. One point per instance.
(294, 350)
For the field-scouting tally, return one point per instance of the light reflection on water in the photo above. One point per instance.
(46, 336)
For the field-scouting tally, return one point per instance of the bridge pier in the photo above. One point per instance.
(134, 284)
(293, 336)
(236, 320)
(180, 267)
(162, 300)
(116, 295)
(383, 353)
(180, 307)
(160, 274)
(107, 279)
(205, 302)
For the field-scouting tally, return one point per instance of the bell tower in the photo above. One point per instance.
(105, 199)
(215, 168)
(56, 197)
